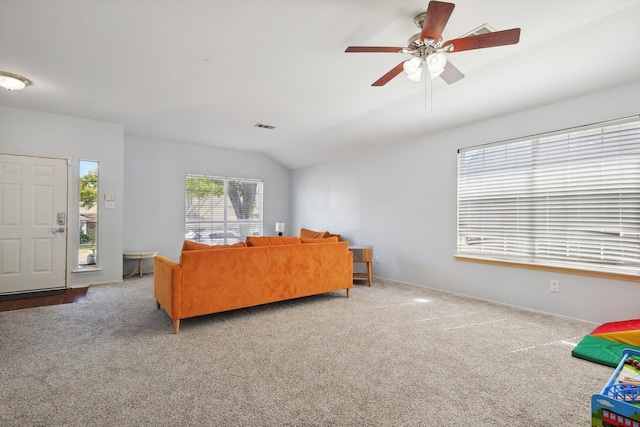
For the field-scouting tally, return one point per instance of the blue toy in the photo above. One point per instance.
(618, 404)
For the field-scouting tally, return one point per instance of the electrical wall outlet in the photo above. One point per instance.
(109, 204)
(377, 260)
(554, 285)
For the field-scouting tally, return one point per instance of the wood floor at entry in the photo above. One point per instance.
(61, 297)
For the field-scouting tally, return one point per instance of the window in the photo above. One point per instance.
(569, 199)
(222, 210)
(88, 218)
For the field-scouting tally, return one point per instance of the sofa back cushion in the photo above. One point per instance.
(332, 239)
(253, 241)
(188, 245)
(305, 233)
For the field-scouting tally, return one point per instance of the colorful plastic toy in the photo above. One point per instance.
(606, 343)
(618, 404)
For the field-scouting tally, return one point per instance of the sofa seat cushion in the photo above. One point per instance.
(253, 241)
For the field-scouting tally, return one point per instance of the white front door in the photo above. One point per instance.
(33, 223)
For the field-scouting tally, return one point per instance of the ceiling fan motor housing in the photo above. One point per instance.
(421, 49)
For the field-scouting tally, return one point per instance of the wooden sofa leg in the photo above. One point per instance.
(348, 292)
(176, 326)
(157, 305)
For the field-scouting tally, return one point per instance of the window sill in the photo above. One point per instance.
(566, 270)
(86, 269)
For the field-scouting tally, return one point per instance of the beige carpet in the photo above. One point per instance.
(391, 355)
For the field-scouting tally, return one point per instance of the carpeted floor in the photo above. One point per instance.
(391, 355)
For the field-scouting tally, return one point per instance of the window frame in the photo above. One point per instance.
(83, 261)
(465, 194)
(225, 228)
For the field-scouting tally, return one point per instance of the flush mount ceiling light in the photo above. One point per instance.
(11, 81)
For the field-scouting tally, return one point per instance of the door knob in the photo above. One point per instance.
(58, 230)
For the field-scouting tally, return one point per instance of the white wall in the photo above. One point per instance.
(402, 200)
(155, 173)
(43, 134)
(146, 177)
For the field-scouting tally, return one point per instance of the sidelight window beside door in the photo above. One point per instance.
(88, 218)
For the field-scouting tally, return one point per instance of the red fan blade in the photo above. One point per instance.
(391, 74)
(451, 74)
(438, 14)
(499, 38)
(381, 49)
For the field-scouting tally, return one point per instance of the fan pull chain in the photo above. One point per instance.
(428, 93)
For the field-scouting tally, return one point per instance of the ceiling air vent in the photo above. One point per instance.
(482, 29)
(263, 126)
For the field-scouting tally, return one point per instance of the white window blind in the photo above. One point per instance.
(221, 210)
(564, 199)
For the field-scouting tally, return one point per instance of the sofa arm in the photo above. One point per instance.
(167, 287)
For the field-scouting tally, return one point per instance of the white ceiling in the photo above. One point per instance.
(206, 72)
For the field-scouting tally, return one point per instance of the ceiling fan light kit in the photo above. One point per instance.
(428, 48)
(436, 63)
(413, 68)
(11, 81)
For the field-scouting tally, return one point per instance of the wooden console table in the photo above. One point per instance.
(363, 254)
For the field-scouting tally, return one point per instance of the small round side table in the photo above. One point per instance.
(140, 256)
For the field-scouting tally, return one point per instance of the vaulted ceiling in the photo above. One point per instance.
(206, 72)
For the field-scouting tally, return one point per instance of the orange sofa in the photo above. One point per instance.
(212, 279)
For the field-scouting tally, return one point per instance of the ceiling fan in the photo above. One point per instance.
(427, 47)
